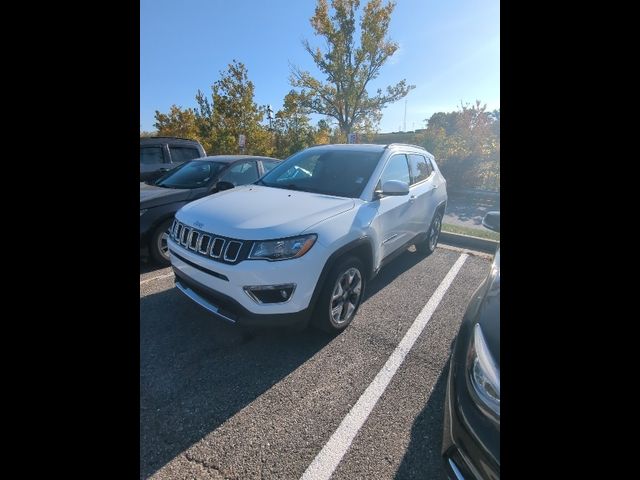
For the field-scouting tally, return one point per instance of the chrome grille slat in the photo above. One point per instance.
(205, 243)
(200, 241)
(214, 247)
(184, 238)
(193, 236)
(226, 257)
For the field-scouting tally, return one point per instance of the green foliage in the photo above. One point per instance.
(177, 123)
(348, 66)
(466, 144)
(234, 112)
(291, 127)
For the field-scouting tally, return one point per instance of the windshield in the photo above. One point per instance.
(342, 173)
(192, 174)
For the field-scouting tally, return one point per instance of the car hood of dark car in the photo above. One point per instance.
(153, 196)
(489, 312)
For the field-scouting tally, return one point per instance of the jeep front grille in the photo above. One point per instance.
(218, 248)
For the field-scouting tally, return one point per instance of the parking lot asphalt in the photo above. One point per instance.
(216, 403)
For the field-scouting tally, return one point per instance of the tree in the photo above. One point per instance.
(176, 123)
(233, 112)
(349, 67)
(467, 145)
(322, 134)
(291, 127)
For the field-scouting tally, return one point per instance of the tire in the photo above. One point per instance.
(343, 289)
(158, 248)
(428, 245)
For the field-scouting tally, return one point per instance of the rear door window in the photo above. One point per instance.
(242, 173)
(151, 155)
(420, 168)
(268, 165)
(183, 154)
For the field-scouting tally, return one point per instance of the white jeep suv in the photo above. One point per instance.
(302, 242)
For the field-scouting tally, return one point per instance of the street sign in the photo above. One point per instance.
(352, 138)
(241, 140)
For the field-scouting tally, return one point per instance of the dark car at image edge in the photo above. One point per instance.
(471, 434)
(162, 198)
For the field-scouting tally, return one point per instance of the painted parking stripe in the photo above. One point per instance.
(156, 278)
(331, 454)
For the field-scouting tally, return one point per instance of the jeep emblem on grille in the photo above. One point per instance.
(198, 224)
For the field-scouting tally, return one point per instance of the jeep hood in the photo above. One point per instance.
(254, 212)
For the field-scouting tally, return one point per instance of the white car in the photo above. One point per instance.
(289, 249)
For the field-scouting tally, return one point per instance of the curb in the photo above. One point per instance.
(467, 241)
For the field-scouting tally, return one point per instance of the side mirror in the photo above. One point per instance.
(222, 185)
(393, 188)
(492, 221)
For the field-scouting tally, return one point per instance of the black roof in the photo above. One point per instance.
(233, 158)
(167, 139)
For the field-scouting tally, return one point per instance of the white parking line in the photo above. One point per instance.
(156, 278)
(331, 454)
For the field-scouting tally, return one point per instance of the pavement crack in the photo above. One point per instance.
(206, 465)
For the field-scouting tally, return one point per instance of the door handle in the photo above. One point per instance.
(412, 198)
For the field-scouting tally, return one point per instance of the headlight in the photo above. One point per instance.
(142, 212)
(282, 249)
(484, 374)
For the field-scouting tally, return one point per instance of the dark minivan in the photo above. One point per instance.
(158, 155)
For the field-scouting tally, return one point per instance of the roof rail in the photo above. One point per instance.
(403, 145)
(175, 138)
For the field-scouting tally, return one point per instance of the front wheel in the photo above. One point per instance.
(428, 245)
(341, 296)
(158, 247)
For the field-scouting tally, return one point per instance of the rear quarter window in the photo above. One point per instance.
(151, 155)
(183, 154)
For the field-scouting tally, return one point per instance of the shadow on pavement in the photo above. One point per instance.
(391, 271)
(196, 372)
(422, 458)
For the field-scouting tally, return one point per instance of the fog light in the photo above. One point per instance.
(271, 293)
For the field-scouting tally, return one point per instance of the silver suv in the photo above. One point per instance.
(303, 241)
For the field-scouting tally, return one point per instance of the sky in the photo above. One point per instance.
(449, 49)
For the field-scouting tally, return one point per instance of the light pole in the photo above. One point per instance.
(270, 115)
(270, 118)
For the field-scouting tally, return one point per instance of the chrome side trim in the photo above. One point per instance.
(202, 302)
(390, 238)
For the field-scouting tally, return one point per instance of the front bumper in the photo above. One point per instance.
(221, 285)
(227, 309)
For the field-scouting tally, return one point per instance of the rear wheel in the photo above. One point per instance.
(428, 245)
(158, 247)
(341, 296)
